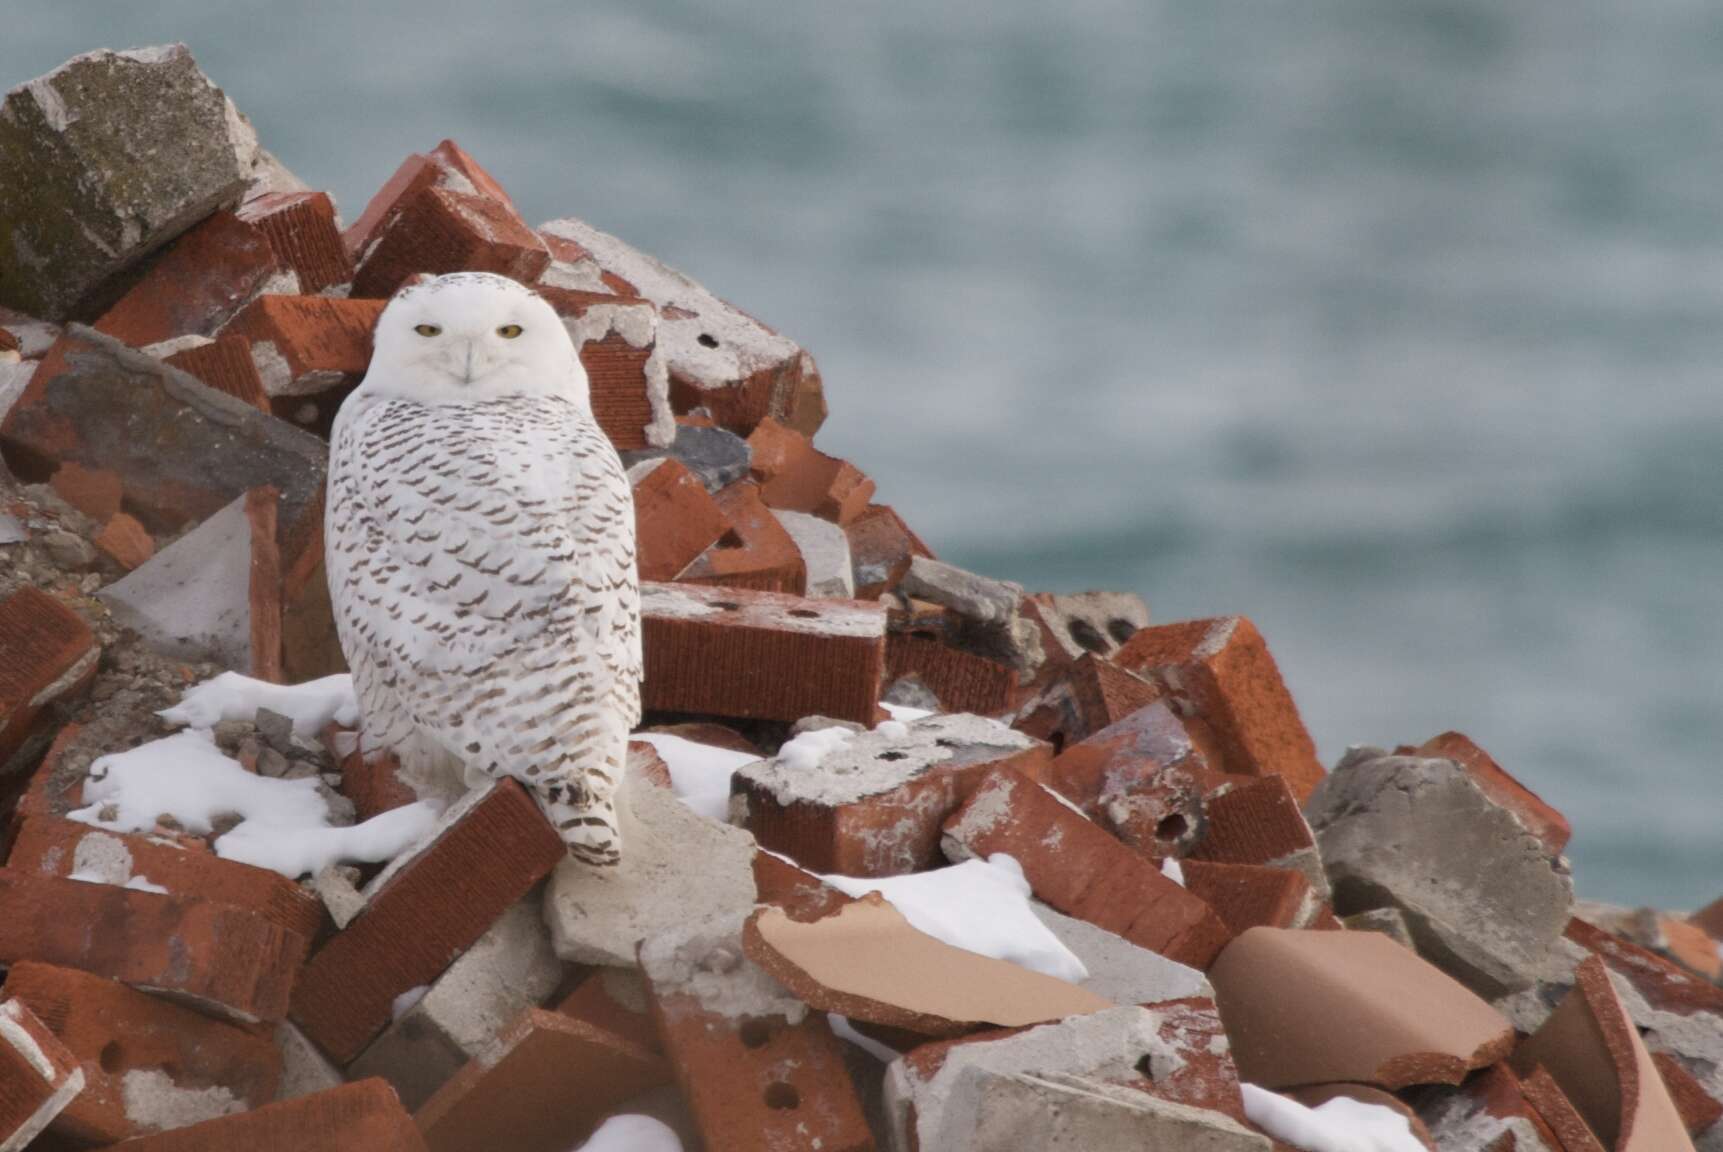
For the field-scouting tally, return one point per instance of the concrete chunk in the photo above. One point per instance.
(104, 160)
(826, 553)
(192, 600)
(1483, 897)
(1021, 1112)
(1119, 970)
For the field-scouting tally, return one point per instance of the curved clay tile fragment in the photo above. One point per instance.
(1311, 1007)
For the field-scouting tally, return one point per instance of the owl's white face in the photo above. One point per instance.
(468, 337)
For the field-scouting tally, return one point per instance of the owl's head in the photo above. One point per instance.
(472, 336)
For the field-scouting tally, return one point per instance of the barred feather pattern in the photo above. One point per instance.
(482, 569)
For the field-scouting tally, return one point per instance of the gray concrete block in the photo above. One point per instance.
(1020, 1112)
(192, 600)
(825, 550)
(1119, 970)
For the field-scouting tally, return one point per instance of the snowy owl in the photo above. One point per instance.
(481, 555)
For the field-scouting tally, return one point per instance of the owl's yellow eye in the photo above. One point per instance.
(509, 331)
(427, 330)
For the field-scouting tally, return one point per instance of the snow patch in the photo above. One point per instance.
(155, 1103)
(1173, 870)
(905, 713)
(296, 851)
(405, 1002)
(230, 696)
(631, 1133)
(699, 773)
(844, 1030)
(1340, 1125)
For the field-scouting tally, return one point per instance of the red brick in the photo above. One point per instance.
(758, 655)
(432, 905)
(1558, 1111)
(892, 830)
(794, 476)
(1254, 822)
(1083, 872)
(301, 231)
(761, 1084)
(1220, 673)
(1698, 1110)
(30, 1096)
(8, 342)
(963, 681)
(1246, 895)
(881, 547)
(1664, 985)
(372, 781)
(365, 1116)
(225, 364)
(48, 846)
(310, 645)
(1498, 1092)
(1082, 698)
(438, 230)
(1140, 778)
(265, 593)
(763, 555)
(1710, 918)
(1540, 819)
(617, 339)
(554, 1080)
(675, 520)
(112, 1030)
(50, 656)
(595, 1001)
(221, 958)
(321, 342)
(195, 286)
(800, 893)
(95, 492)
(124, 541)
(446, 164)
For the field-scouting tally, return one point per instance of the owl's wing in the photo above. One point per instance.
(489, 568)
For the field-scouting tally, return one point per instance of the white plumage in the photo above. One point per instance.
(481, 554)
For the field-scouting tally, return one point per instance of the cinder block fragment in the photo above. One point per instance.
(219, 958)
(198, 284)
(1082, 698)
(148, 1064)
(1081, 870)
(759, 1072)
(51, 655)
(757, 655)
(360, 1117)
(794, 476)
(425, 909)
(719, 358)
(38, 1076)
(107, 158)
(1220, 673)
(549, 1084)
(464, 1014)
(50, 846)
(675, 518)
(1140, 778)
(875, 805)
(301, 230)
(757, 552)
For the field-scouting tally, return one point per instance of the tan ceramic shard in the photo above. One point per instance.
(1310, 1007)
(866, 961)
(1593, 1053)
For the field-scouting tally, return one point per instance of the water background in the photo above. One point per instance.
(1397, 327)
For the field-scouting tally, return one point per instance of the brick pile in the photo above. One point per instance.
(1400, 931)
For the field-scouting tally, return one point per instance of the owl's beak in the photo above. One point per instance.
(467, 360)
(472, 349)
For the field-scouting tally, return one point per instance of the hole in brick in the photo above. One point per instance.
(707, 340)
(754, 1033)
(892, 755)
(726, 605)
(1146, 1067)
(804, 614)
(113, 1060)
(781, 1095)
(924, 634)
(945, 743)
(1057, 739)
(1121, 629)
(1172, 827)
(1088, 637)
(730, 540)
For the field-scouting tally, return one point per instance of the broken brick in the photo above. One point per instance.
(627, 384)
(876, 804)
(264, 593)
(1540, 819)
(1491, 1105)
(797, 891)
(1259, 822)
(38, 1077)
(124, 541)
(553, 1080)
(1085, 623)
(221, 958)
(301, 230)
(1081, 870)
(1699, 1112)
(198, 284)
(675, 518)
(758, 655)
(763, 556)
(51, 655)
(446, 165)
(364, 1116)
(95, 492)
(1082, 698)
(1247, 895)
(371, 779)
(425, 909)
(1140, 778)
(614, 1000)
(437, 230)
(1219, 672)
(881, 547)
(962, 681)
(225, 364)
(757, 1069)
(1558, 1111)
(305, 345)
(114, 1031)
(794, 476)
(1710, 919)
(51, 846)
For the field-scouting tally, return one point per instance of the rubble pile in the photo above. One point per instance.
(913, 858)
